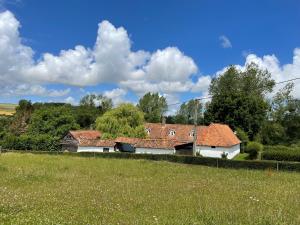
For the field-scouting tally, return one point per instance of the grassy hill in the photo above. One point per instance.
(43, 189)
(7, 109)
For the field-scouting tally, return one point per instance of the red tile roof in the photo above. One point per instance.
(127, 140)
(213, 135)
(218, 135)
(156, 143)
(85, 134)
(96, 143)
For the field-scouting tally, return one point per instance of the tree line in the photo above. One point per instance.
(241, 99)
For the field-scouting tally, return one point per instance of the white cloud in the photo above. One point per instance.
(32, 90)
(278, 72)
(117, 95)
(111, 60)
(70, 100)
(225, 42)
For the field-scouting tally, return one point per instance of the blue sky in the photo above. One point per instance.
(184, 44)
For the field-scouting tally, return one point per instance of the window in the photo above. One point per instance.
(213, 146)
(172, 132)
(105, 149)
(148, 130)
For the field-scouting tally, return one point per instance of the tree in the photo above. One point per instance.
(21, 118)
(53, 120)
(153, 106)
(186, 113)
(238, 98)
(99, 101)
(125, 120)
(91, 106)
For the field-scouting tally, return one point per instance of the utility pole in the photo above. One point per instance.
(195, 126)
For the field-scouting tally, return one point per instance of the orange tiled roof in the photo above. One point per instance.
(213, 135)
(127, 140)
(218, 135)
(96, 143)
(156, 143)
(86, 134)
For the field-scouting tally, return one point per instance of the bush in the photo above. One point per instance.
(281, 153)
(224, 155)
(253, 148)
(28, 142)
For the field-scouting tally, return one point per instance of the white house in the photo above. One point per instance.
(212, 141)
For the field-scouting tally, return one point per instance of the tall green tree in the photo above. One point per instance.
(186, 113)
(52, 120)
(239, 98)
(91, 106)
(154, 107)
(125, 120)
(99, 101)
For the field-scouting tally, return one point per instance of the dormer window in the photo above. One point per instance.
(172, 132)
(148, 130)
(192, 133)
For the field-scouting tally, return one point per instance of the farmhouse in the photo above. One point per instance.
(86, 141)
(212, 141)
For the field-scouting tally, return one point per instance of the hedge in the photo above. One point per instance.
(212, 162)
(281, 153)
(36, 143)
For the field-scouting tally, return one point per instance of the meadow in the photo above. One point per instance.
(50, 189)
(7, 109)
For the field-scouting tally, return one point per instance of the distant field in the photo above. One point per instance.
(43, 189)
(7, 109)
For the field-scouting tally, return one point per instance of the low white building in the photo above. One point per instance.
(214, 140)
(86, 141)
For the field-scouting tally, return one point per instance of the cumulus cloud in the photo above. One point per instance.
(111, 60)
(70, 100)
(225, 42)
(117, 95)
(32, 90)
(278, 71)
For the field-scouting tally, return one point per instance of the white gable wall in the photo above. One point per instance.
(93, 149)
(208, 151)
(154, 151)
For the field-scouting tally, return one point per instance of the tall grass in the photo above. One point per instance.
(48, 189)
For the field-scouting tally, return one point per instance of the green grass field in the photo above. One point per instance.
(44, 189)
(7, 109)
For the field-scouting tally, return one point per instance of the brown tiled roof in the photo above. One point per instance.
(96, 143)
(85, 134)
(156, 143)
(213, 135)
(218, 135)
(127, 140)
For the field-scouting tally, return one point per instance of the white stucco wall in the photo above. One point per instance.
(94, 149)
(208, 151)
(154, 151)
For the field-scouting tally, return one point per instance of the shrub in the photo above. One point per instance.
(28, 142)
(253, 148)
(281, 153)
(224, 155)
